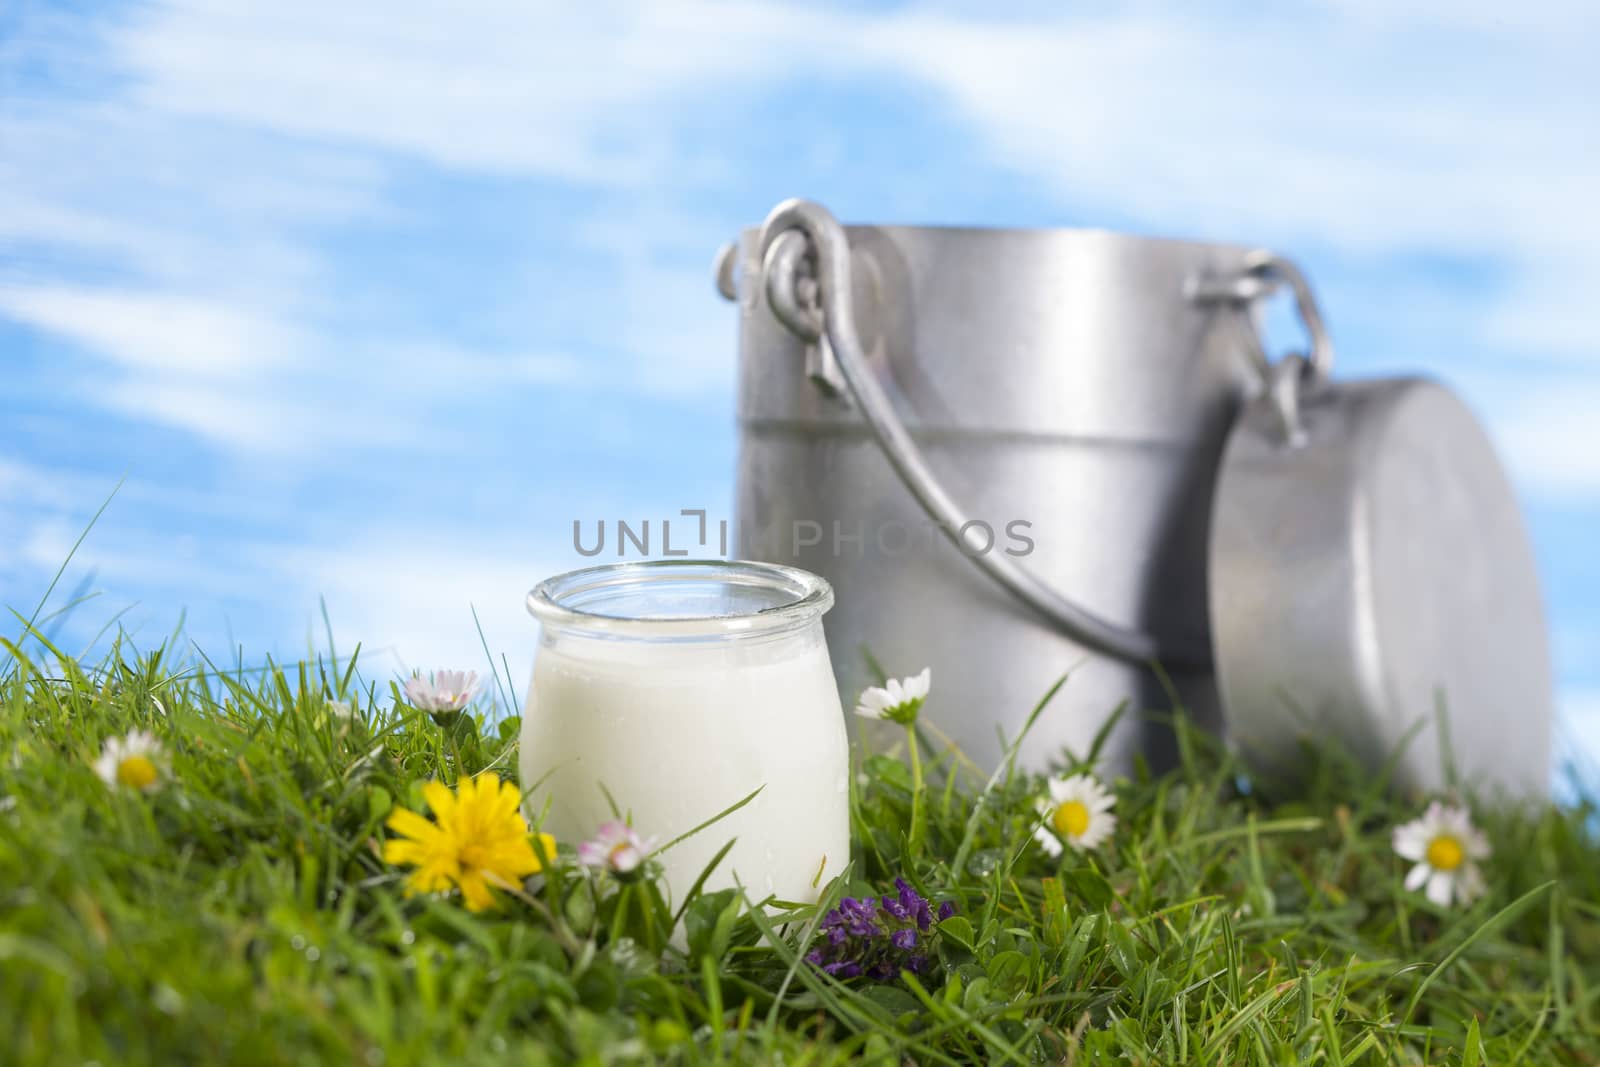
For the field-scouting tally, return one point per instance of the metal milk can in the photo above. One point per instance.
(1018, 454)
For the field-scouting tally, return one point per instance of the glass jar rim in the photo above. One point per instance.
(587, 600)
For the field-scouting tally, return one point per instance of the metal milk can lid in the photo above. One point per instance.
(1370, 580)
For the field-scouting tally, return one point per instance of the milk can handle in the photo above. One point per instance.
(798, 227)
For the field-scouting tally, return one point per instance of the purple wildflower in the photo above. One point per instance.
(876, 937)
(914, 904)
(860, 916)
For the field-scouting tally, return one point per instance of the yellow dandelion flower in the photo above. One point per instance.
(479, 840)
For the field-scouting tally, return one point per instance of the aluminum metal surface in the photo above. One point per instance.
(1366, 558)
(835, 361)
(1372, 573)
(1066, 379)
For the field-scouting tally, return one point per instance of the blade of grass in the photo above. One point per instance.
(1489, 925)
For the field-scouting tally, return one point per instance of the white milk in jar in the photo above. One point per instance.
(681, 687)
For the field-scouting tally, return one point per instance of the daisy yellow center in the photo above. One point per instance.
(137, 772)
(1445, 853)
(1071, 819)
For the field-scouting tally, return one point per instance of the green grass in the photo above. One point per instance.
(243, 915)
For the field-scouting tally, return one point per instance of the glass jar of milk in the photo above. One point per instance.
(679, 688)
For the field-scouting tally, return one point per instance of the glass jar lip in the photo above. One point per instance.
(569, 600)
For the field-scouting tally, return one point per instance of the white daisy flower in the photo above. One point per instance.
(1444, 846)
(135, 761)
(442, 691)
(617, 847)
(899, 700)
(1077, 812)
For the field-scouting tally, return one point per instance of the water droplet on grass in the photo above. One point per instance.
(167, 1000)
(985, 862)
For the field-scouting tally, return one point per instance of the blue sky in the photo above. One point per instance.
(369, 300)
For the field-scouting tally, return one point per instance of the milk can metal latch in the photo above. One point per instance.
(1282, 381)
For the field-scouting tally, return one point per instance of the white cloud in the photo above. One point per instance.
(415, 400)
(1549, 308)
(25, 215)
(1551, 436)
(243, 419)
(72, 494)
(216, 368)
(1452, 130)
(1504, 20)
(1304, 128)
(1301, 127)
(25, 485)
(96, 181)
(483, 85)
(157, 331)
(450, 370)
(196, 182)
(125, 558)
(1440, 131)
(244, 380)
